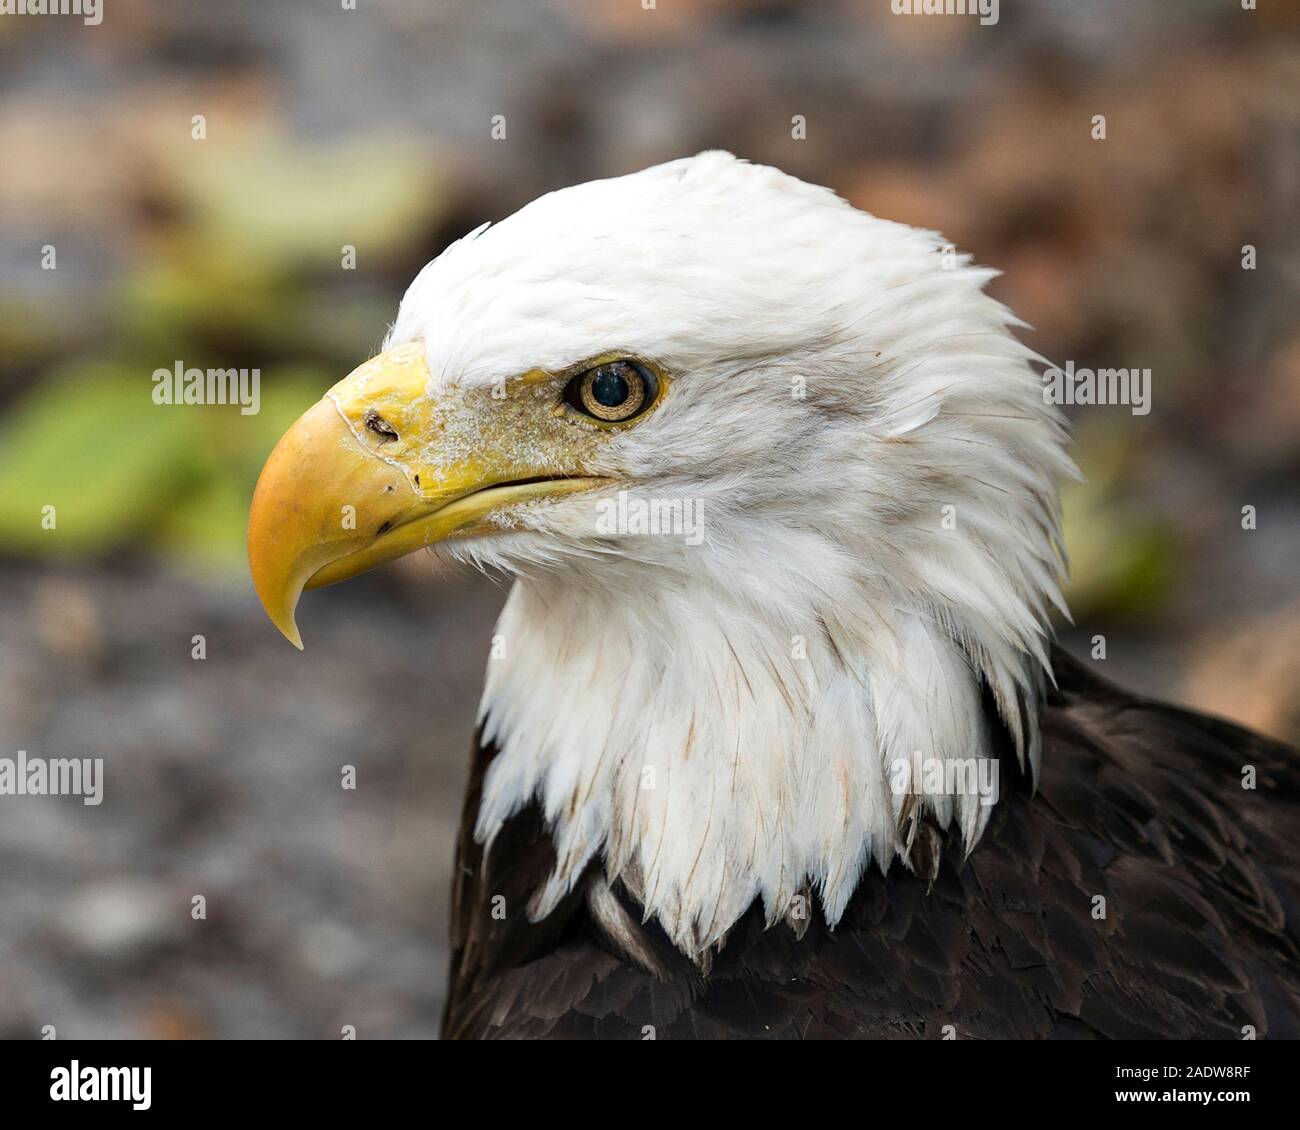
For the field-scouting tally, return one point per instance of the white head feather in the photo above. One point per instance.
(719, 721)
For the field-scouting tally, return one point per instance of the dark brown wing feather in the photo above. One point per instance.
(1140, 804)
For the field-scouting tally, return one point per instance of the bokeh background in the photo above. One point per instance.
(372, 128)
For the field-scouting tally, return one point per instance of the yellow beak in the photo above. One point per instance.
(377, 469)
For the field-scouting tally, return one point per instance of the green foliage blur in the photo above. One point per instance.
(242, 270)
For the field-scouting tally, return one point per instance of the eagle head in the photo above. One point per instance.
(779, 488)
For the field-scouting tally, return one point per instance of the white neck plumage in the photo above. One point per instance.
(714, 748)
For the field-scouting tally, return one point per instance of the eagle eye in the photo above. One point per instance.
(614, 392)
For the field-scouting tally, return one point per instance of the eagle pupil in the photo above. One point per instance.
(609, 388)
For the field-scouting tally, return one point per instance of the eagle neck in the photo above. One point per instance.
(710, 752)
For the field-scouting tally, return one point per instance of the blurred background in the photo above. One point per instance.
(372, 129)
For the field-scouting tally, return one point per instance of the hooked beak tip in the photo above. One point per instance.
(292, 634)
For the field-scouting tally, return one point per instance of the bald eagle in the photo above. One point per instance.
(774, 740)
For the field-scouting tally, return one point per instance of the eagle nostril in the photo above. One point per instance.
(381, 427)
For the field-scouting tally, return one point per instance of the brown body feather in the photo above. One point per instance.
(1140, 804)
